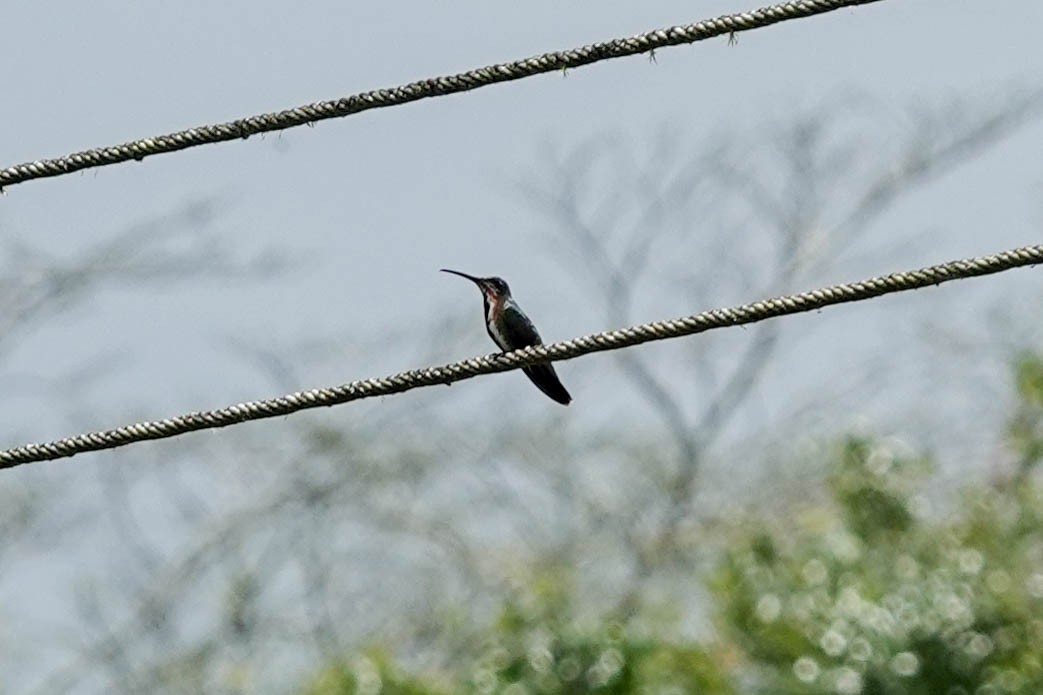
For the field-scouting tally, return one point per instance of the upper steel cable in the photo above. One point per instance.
(421, 89)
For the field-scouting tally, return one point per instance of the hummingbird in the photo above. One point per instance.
(511, 329)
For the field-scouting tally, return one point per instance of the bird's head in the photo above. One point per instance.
(494, 288)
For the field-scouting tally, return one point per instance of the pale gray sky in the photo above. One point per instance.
(368, 208)
(372, 205)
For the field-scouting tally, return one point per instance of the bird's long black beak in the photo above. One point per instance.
(473, 279)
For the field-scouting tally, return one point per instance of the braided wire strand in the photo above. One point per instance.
(568, 349)
(421, 89)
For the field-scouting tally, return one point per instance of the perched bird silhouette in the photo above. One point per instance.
(511, 329)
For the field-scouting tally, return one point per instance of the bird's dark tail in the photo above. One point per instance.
(546, 380)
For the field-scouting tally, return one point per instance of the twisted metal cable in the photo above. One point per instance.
(421, 89)
(568, 349)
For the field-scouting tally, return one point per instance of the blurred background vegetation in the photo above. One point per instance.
(854, 589)
(718, 518)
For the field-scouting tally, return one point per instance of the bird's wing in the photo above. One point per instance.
(521, 333)
(518, 329)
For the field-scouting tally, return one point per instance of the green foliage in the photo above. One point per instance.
(535, 648)
(855, 591)
(370, 674)
(871, 487)
(1025, 430)
(539, 649)
(862, 596)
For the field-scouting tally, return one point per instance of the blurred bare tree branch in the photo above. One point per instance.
(615, 232)
(303, 541)
(37, 285)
